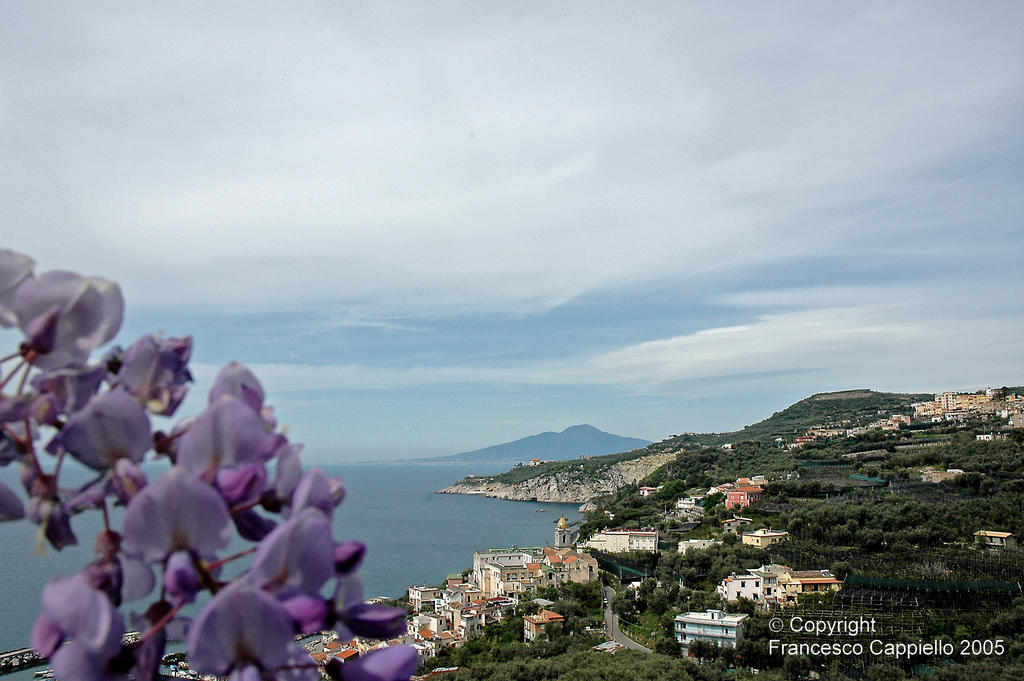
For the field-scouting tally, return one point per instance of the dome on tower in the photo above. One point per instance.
(563, 523)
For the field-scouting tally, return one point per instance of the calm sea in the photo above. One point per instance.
(412, 535)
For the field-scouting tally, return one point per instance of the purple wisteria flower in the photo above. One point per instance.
(14, 269)
(111, 426)
(11, 507)
(80, 631)
(173, 526)
(178, 512)
(86, 312)
(70, 387)
(297, 554)
(236, 380)
(227, 433)
(316, 490)
(396, 663)
(156, 371)
(244, 633)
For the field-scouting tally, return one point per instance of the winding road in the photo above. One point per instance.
(611, 623)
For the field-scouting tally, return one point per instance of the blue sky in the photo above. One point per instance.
(432, 229)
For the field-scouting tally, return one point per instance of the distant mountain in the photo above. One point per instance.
(569, 444)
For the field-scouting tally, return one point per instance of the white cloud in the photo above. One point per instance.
(422, 162)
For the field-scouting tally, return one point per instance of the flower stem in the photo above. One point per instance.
(240, 554)
(161, 623)
(21, 365)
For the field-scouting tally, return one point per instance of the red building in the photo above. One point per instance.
(741, 497)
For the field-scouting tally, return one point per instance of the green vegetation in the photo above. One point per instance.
(847, 409)
(857, 507)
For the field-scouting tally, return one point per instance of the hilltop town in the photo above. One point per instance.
(904, 512)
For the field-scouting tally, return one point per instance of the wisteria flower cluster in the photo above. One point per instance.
(231, 472)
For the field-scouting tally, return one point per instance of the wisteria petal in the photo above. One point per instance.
(126, 480)
(11, 507)
(313, 491)
(46, 635)
(238, 484)
(375, 621)
(288, 472)
(83, 613)
(396, 663)
(227, 433)
(149, 657)
(14, 269)
(137, 578)
(15, 408)
(253, 526)
(74, 662)
(296, 554)
(298, 667)
(91, 311)
(247, 673)
(180, 578)
(240, 625)
(308, 612)
(177, 512)
(156, 371)
(71, 386)
(348, 556)
(8, 449)
(54, 519)
(111, 426)
(41, 332)
(236, 380)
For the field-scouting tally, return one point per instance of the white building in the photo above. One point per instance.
(735, 587)
(713, 626)
(418, 595)
(697, 544)
(623, 541)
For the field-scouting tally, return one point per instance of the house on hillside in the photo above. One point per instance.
(713, 626)
(743, 496)
(536, 626)
(733, 525)
(995, 540)
(797, 583)
(764, 538)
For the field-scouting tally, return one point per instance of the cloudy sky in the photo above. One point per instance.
(431, 227)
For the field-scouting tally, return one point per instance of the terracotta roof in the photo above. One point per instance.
(569, 560)
(425, 633)
(318, 657)
(347, 654)
(332, 645)
(749, 489)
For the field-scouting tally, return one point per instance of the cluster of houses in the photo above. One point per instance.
(954, 406)
(776, 585)
(325, 647)
(450, 614)
(623, 541)
(769, 586)
(947, 407)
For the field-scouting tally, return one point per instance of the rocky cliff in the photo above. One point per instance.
(565, 486)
